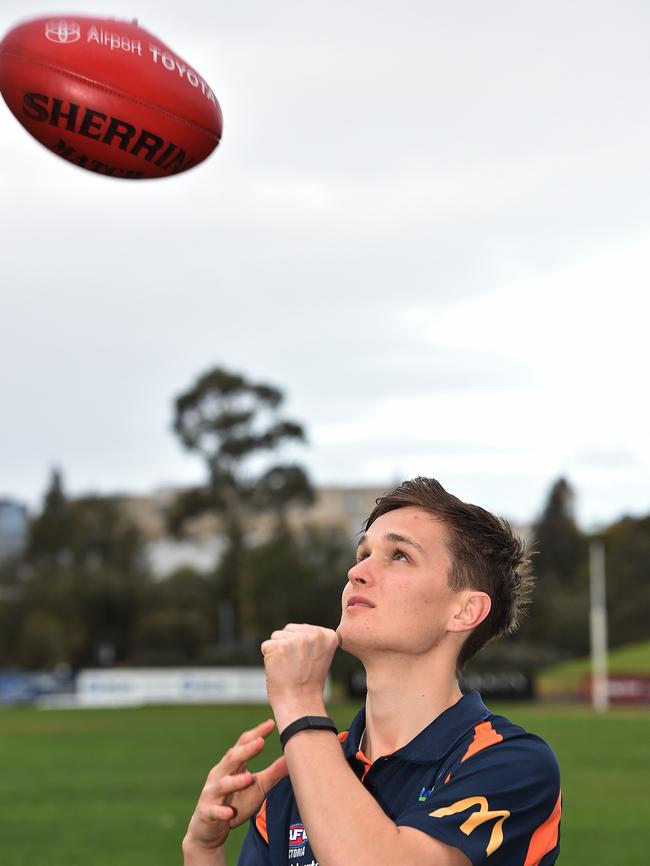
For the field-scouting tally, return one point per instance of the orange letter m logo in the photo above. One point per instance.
(483, 814)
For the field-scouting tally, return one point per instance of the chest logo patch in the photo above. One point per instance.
(297, 835)
(480, 816)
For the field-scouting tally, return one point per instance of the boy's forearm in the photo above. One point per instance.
(335, 807)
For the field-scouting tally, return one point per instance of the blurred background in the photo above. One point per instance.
(422, 247)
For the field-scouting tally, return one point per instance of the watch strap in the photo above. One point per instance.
(307, 723)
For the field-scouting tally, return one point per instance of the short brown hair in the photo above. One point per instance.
(485, 553)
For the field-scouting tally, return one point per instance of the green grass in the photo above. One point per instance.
(566, 677)
(117, 787)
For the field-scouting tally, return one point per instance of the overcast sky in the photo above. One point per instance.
(428, 222)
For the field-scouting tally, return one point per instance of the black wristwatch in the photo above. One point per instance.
(307, 723)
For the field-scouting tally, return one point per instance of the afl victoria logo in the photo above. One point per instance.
(62, 31)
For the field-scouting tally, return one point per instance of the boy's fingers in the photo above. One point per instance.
(229, 785)
(235, 759)
(215, 812)
(262, 730)
(272, 774)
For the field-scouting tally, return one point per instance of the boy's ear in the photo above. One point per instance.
(473, 608)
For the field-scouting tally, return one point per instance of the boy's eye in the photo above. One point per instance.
(397, 554)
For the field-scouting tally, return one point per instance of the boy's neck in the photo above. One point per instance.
(404, 696)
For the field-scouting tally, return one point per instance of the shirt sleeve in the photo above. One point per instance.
(502, 803)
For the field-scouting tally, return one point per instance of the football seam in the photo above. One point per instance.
(113, 91)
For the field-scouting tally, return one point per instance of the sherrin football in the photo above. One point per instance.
(108, 96)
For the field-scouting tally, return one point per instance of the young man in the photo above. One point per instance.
(424, 775)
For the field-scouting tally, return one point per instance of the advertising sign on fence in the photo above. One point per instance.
(623, 689)
(138, 686)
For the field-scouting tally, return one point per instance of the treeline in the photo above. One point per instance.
(557, 626)
(82, 594)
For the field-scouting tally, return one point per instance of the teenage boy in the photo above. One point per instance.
(424, 774)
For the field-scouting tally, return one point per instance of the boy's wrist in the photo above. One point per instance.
(288, 713)
(195, 854)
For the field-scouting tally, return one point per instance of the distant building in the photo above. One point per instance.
(201, 548)
(167, 555)
(14, 529)
(203, 543)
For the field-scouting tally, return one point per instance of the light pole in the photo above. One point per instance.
(598, 626)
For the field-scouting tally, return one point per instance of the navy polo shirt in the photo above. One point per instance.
(471, 779)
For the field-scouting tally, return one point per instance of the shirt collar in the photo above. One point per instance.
(437, 739)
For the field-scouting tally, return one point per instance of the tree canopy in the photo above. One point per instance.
(232, 422)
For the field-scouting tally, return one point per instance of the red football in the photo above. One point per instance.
(108, 96)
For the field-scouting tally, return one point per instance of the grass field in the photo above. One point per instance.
(116, 787)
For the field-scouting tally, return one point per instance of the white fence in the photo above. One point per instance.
(138, 686)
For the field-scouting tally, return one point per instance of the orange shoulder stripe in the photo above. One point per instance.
(484, 736)
(544, 839)
(260, 823)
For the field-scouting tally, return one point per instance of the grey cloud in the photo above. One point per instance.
(373, 162)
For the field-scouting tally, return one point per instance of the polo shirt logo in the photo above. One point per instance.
(483, 814)
(297, 840)
(297, 835)
(425, 793)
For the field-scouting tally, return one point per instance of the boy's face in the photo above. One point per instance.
(398, 597)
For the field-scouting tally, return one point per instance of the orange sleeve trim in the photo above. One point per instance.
(544, 839)
(484, 736)
(260, 823)
(343, 736)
